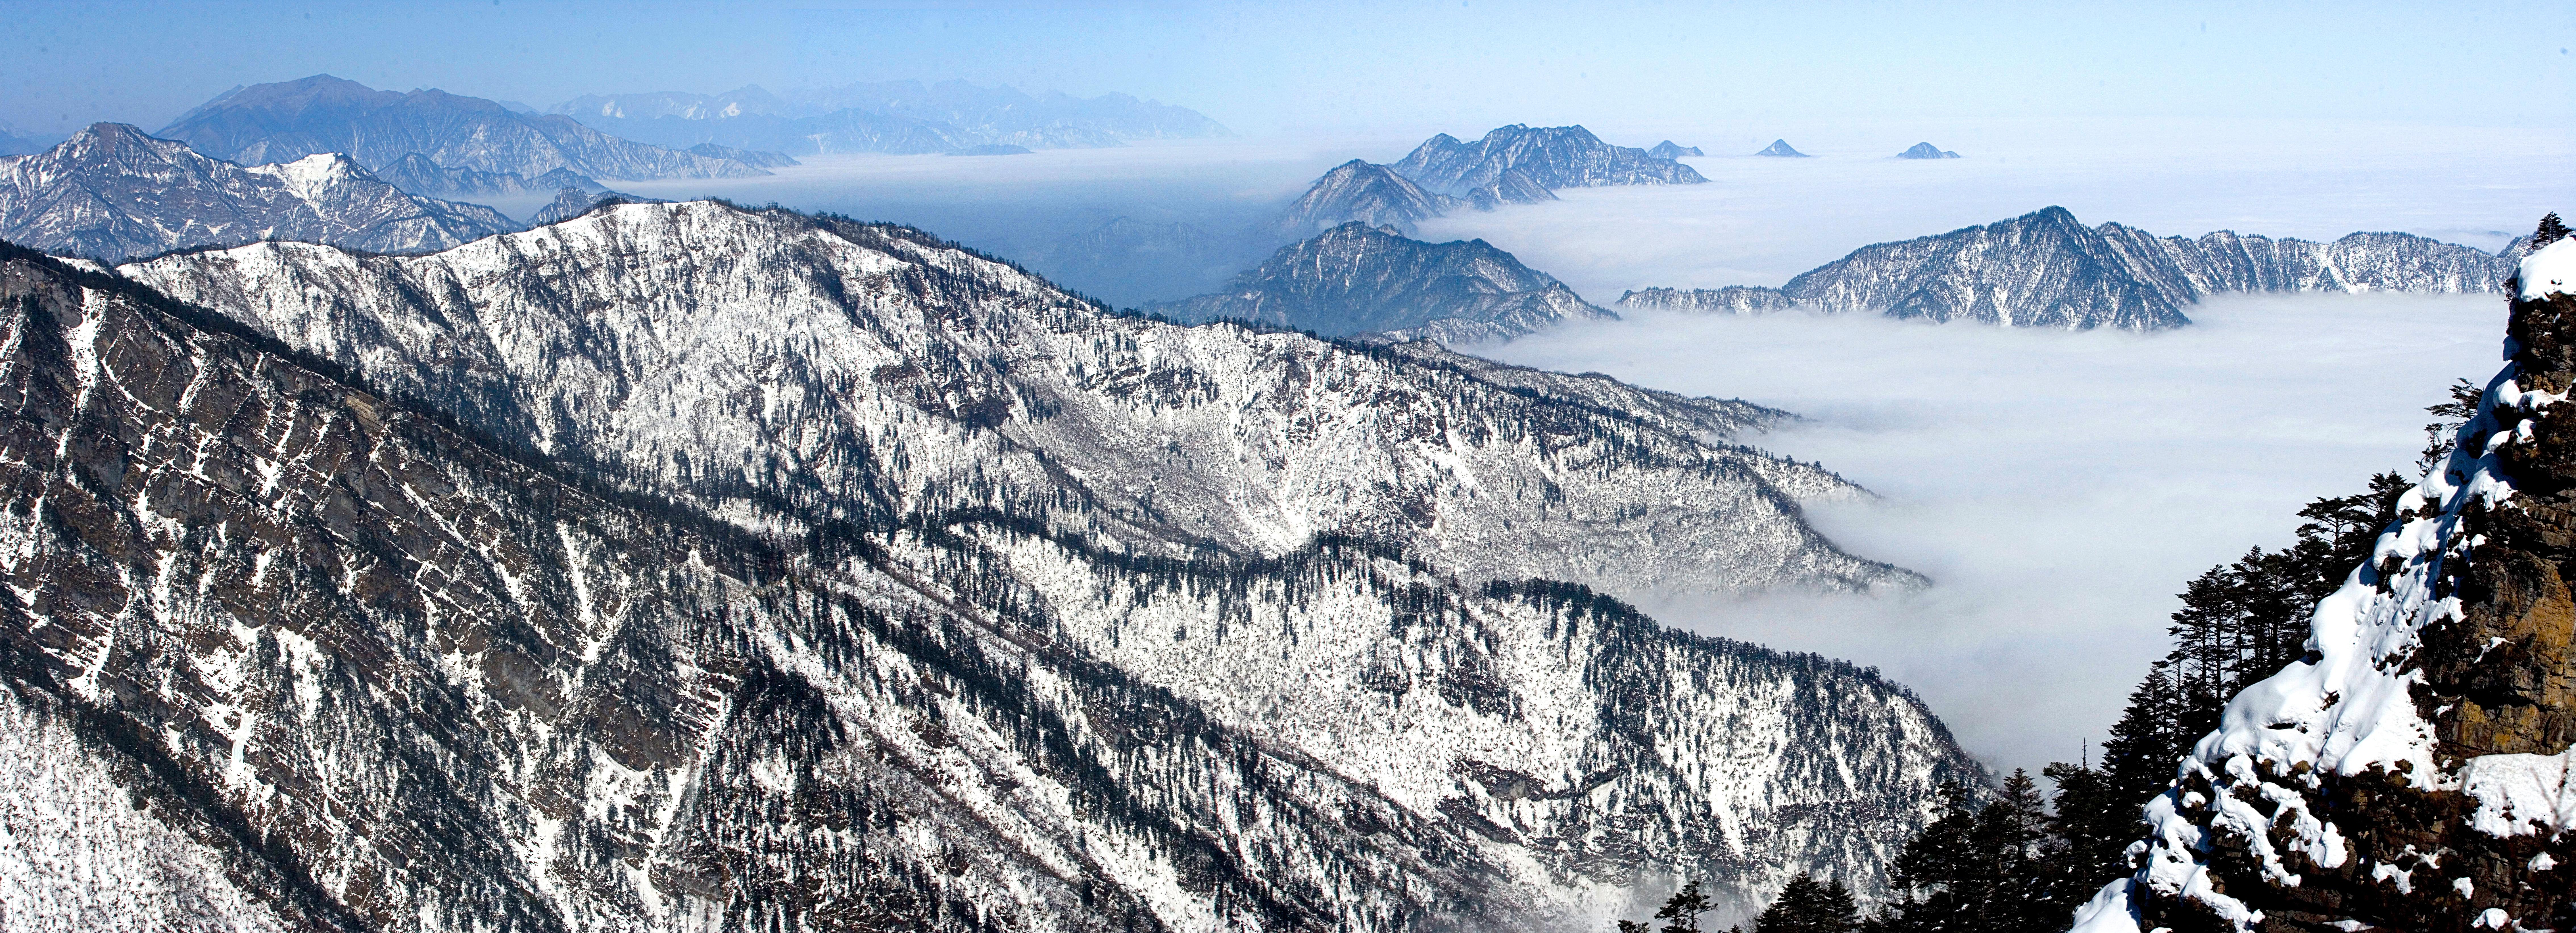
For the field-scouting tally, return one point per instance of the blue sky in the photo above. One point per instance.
(1269, 68)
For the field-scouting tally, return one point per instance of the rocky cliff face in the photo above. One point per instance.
(293, 119)
(681, 567)
(1356, 280)
(1549, 156)
(111, 192)
(2413, 772)
(2046, 269)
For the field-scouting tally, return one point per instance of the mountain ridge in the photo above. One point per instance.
(321, 113)
(110, 192)
(1355, 279)
(2047, 269)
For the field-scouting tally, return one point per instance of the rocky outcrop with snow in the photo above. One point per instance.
(1355, 280)
(2046, 269)
(110, 192)
(1672, 150)
(1927, 151)
(292, 119)
(1780, 148)
(680, 566)
(2413, 772)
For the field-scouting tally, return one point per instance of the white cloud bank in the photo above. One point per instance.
(2059, 487)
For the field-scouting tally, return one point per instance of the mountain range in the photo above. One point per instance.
(1358, 280)
(319, 114)
(1514, 164)
(110, 192)
(683, 565)
(2046, 269)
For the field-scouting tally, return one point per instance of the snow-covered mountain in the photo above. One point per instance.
(293, 119)
(2415, 770)
(1672, 150)
(1360, 192)
(111, 192)
(1926, 151)
(889, 116)
(1360, 280)
(2046, 269)
(415, 173)
(844, 575)
(1780, 148)
(1550, 157)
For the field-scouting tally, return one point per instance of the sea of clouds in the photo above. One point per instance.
(2058, 487)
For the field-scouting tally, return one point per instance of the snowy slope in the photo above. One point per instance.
(1550, 156)
(743, 355)
(110, 192)
(951, 708)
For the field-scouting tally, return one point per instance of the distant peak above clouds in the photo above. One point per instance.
(1515, 164)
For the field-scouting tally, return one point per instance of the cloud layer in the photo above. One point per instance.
(2059, 487)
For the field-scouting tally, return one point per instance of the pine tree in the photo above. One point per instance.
(1681, 912)
(2551, 231)
(1805, 906)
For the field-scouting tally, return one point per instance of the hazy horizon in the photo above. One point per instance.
(1318, 68)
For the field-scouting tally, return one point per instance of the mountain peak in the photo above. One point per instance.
(1361, 278)
(1547, 157)
(1926, 151)
(1780, 148)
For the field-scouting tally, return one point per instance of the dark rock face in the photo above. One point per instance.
(1359, 192)
(293, 119)
(2460, 818)
(1355, 279)
(1779, 148)
(1671, 150)
(1926, 151)
(1551, 157)
(111, 192)
(2045, 269)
